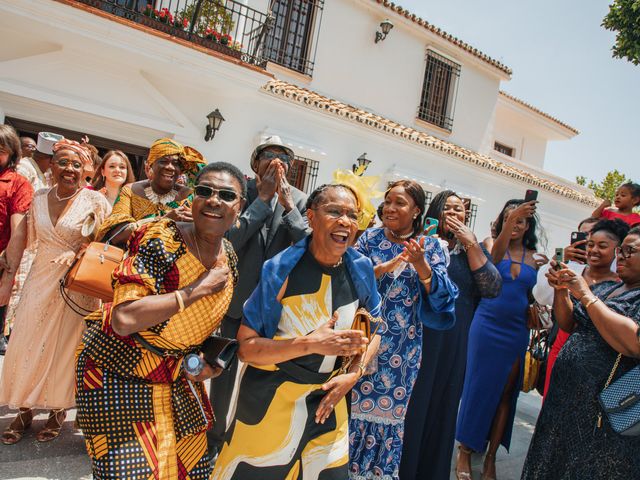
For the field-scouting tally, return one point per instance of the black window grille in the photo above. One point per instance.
(303, 173)
(439, 91)
(293, 39)
(471, 210)
(505, 150)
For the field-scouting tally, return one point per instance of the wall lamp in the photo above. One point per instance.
(386, 27)
(361, 167)
(215, 119)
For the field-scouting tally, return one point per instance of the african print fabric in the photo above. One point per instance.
(140, 416)
(274, 435)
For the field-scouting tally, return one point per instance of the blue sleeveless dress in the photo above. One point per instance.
(497, 338)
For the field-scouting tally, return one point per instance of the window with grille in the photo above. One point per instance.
(439, 91)
(292, 39)
(505, 150)
(471, 211)
(303, 173)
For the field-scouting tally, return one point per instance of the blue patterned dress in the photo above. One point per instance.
(379, 400)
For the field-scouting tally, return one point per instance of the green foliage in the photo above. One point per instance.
(607, 187)
(213, 15)
(624, 18)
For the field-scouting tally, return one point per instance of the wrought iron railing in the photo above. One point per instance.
(226, 26)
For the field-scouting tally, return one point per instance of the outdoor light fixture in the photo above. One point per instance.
(386, 27)
(215, 120)
(361, 167)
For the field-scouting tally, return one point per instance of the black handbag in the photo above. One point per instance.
(620, 401)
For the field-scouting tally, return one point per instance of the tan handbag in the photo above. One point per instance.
(90, 273)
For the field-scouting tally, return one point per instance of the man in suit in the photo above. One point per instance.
(273, 219)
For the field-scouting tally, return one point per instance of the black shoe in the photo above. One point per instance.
(3, 344)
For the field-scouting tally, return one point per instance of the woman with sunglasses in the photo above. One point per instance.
(38, 367)
(573, 437)
(291, 416)
(158, 196)
(141, 414)
(413, 281)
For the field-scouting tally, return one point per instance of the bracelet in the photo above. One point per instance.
(426, 281)
(467, 246)
(179, 300)
(591, 302)
(361, 369)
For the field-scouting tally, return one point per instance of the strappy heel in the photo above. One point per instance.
(49, 433)
(462, 475)
(484, 476)
(11, 436)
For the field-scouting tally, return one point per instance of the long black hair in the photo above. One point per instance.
(436, 207)
(415, 191)
(530, 238)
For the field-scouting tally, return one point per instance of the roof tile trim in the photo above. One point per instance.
(312, 99)
(441, 33)
(538, 111)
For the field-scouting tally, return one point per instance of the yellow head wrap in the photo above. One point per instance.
(365, 190)
(192, 160)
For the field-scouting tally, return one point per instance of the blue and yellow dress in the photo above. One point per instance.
(273, 433)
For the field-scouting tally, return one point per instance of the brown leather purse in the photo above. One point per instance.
(90, 273)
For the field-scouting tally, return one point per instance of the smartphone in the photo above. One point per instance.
(531, 195)
(578, 237)
(559, 258)
(431, 222)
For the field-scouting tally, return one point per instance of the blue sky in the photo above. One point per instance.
(562, 64)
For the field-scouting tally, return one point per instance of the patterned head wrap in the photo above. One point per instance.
(192, 160)
(365, 190)
(83, 152)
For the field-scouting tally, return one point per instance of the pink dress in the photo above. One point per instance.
(38, 369)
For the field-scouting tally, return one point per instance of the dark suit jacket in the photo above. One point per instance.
(261, 234)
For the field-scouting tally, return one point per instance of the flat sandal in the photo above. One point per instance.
(11, 436)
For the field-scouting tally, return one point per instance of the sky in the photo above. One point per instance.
(562, 64)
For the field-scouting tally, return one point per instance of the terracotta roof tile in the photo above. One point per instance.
(538, 111)
(314, 100)
(441, 33)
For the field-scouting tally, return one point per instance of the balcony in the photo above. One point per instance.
(224, 26)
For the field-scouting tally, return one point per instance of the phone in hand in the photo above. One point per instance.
(578, 237)
(558, 257)
(428, 224)
(531, 195)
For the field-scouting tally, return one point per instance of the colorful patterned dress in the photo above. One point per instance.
(379, 400)
(273, 434)
(140, 416)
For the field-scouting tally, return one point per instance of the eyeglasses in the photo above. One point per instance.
(227, 196)
(272, 156)
(336, 212)
(625, 251)
(63, 163)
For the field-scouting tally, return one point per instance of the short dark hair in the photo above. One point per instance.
(634, 188)
(9, 140)
(318, 194)
(416, 192)
(634, 231)
(588, 220)
(615, 228)
(228, 168)
(530, 238)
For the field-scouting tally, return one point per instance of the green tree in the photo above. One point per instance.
(212, 14)
(624, 18)
(607, 187)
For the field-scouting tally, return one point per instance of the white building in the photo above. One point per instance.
(421, 103)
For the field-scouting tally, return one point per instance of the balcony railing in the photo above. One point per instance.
(225, 26)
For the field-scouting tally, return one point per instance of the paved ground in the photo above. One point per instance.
(65, 457)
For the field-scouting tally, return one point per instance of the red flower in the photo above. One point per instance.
(162, 13)
(185, 22)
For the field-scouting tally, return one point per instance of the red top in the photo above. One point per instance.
(632, 219)
(15, 197)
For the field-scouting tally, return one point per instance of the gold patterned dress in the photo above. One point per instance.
(130, 207)
(140, 416)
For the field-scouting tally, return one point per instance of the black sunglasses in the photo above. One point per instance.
(272, 156)
(227, 196)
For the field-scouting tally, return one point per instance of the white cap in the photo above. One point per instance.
(46, 141)
(269, 141)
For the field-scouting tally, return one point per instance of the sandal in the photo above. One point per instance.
(485, 476)
(49, 433)
(462, 475)
(11, 436)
